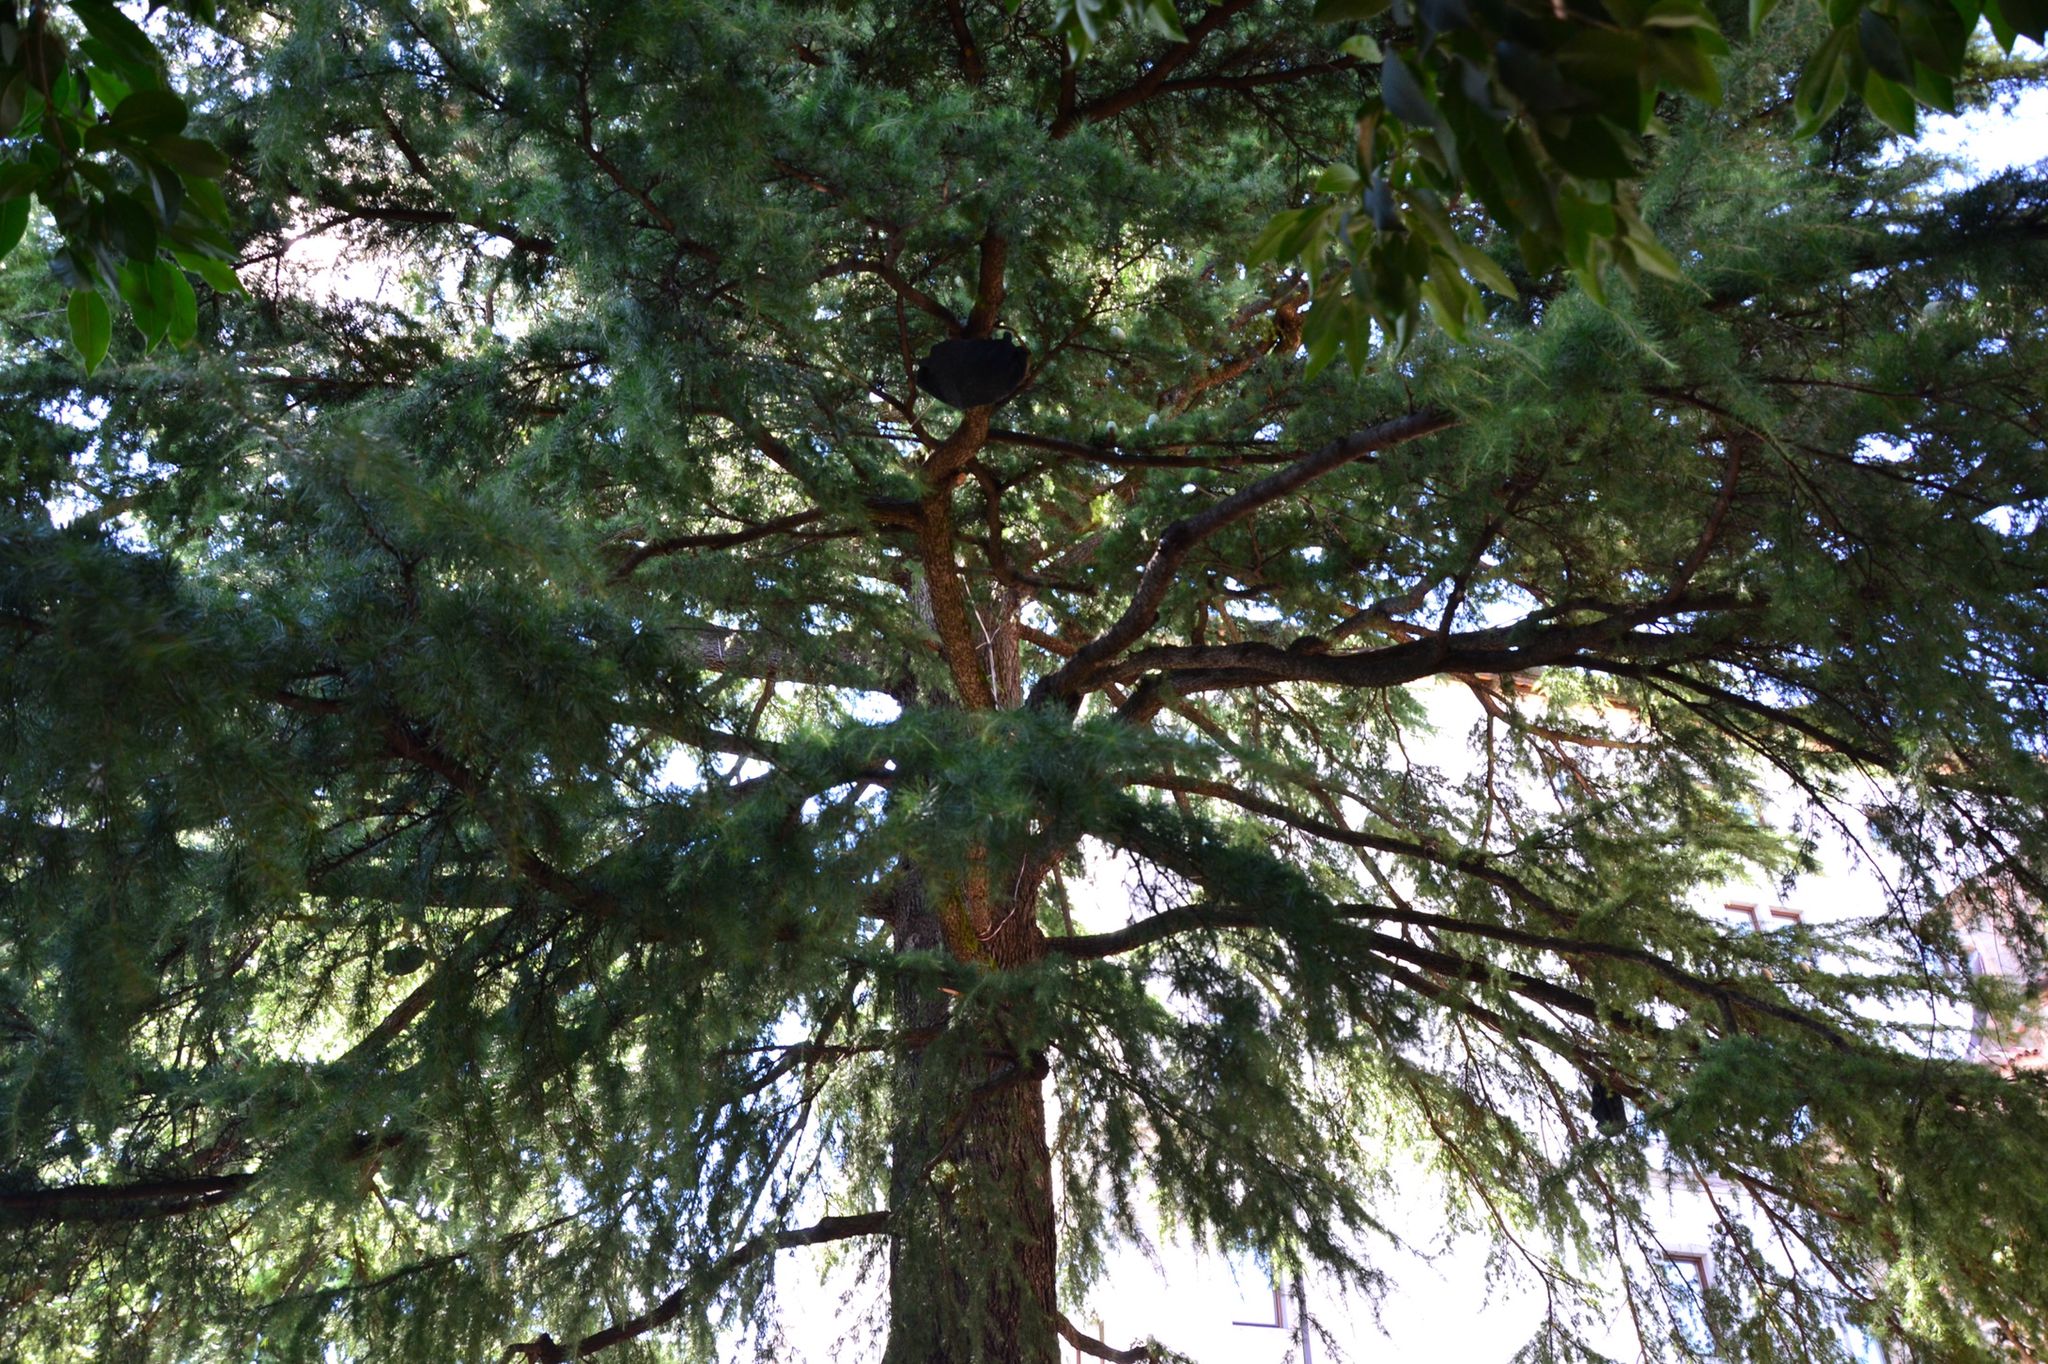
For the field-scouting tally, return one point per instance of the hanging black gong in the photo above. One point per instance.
(973, 372)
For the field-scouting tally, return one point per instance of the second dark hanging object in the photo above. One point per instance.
(973, 371)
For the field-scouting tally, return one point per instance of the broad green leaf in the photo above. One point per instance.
(203, 196)
(1934, 90)
(1823, 84)
(1649, 253)
(1882, 47)
(92, 326)
(13, 223)
(1452, 301)
(1338, 178)
(131, 226)
(1681, 14)
(1288, 235)
(140, 287)
(1893, 104)
(2025, 18)
(18, 180)
(166, 189)
(107, 86)
(148, 114)
(181, 305)
(1161, 18)
(1362, 47)
(1587, 147)
(14, 93)
(217, 273)
(1348, 11)
(1322, 331)
(1404, 94)
(123, 38)
(190, 156)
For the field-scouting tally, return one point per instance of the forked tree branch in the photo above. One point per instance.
(545, 1349)
(1180, 538)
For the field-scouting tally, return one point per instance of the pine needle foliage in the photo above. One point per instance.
(526, 794)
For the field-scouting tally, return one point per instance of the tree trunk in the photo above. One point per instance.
(972, 1259)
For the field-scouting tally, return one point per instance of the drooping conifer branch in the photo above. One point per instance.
(544, 1349)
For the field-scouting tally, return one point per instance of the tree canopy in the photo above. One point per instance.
(528, 792)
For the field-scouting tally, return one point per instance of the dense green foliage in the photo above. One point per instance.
(522, 796)
(101, 145)
(1533, 108)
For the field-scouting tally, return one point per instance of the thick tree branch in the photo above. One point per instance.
(679, 544)
(545, 1349)
(1156, 75)
(1259, 80)
(1499, 650)
(1169, 457)
(1180, 538)
(942, 470)
(1089, 1345)
(138, 1201)
(972, 67)
(405, 216)
(887, 272)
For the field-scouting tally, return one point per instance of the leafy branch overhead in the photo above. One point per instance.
(1534, 112)
(92, 131)
(830, 673)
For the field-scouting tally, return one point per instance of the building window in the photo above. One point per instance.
(1685, 1295)
(1782, 915)
(1747, 914)
(1279, 1320)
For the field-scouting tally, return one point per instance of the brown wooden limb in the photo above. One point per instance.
(1168, 457)
(990, 288)
(951, 616)
(972, 67)
(1089, 1345)
(1285, 308)
(909, 293)
(1052, 644)
(422, 996)
(1731, 999)
(1664, 676)
(1474, 865)
(138, 1201)
(1498, 650)
(1690, 565)
(1172, 922)
(405, 216)
(1180, 538)
(1717, 991)
(1156, 75)
(679, 544)
(587, 143)
(1259, 80)
(545, 1349)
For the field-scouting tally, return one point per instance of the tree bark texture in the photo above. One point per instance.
(972, 1260)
